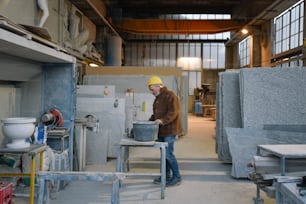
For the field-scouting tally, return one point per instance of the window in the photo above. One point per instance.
(288, 28)
(244, 52)
(189, 56)
(194, 78)
(213, 56)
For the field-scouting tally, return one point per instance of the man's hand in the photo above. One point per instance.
(159, 121)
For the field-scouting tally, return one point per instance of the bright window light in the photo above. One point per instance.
(189, 63)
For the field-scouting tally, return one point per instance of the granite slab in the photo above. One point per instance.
(273, 96)
(228, 111)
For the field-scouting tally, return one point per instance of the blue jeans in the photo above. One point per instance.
(171, 162)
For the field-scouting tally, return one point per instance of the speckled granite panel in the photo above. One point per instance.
(273, 96)
(218, 118)
(229, 107)
(285, 127)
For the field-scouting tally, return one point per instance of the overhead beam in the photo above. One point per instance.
(95, 10)
(163, 26)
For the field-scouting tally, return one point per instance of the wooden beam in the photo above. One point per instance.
(95, 10)
(166, 26)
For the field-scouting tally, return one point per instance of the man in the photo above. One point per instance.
(166, 112)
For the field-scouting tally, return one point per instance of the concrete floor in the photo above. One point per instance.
(205, 178)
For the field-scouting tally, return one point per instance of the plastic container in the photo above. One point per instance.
(40, 134)
(145, 131)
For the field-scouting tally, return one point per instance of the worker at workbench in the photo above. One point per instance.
(166, 112)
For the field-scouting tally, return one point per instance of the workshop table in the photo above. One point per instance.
(32, 151)
(282, 151)
(123, 157)
(206, 108)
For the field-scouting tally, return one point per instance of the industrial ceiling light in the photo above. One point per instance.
(91, 64)
(244, 31)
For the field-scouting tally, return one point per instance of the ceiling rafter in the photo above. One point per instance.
(162, 26)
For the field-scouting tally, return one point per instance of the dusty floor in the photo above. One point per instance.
(205, 178)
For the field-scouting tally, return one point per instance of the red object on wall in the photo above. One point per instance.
(6, 193)
(58, 115)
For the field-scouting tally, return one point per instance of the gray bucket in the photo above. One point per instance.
(145, 131)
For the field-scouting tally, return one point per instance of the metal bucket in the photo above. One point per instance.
(145, 131)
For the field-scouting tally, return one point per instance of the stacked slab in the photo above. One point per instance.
(255, 99)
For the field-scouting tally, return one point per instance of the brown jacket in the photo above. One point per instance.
(166, 107)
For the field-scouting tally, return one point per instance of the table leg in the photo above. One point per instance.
(163, 170)
(258, 151)
(277, 197)
(41, 191)
(283, 167)
(119, 162)
(32, 179)
(46, 192)
(115, 191)
(257, 199)
(126, 159)
(41, 161)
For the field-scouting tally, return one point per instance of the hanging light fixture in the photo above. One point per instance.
(244, 31)
(91, 64)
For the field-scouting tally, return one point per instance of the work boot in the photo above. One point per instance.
(175, 181)
(158, 180)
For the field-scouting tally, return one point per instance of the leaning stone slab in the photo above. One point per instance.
(228, 111)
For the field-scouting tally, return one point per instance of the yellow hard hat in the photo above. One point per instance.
(154, 80)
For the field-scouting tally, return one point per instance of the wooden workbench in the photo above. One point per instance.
(206, 108)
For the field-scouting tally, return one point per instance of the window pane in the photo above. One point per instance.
(213, 56)
(244, 52)
(289, 29)
(194, 81)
